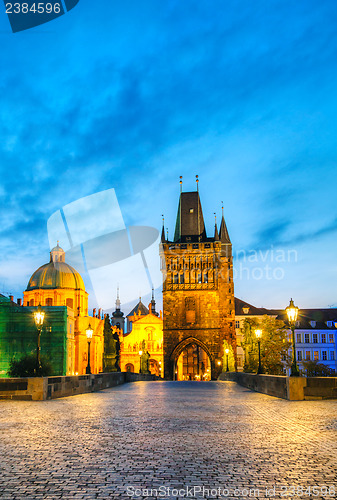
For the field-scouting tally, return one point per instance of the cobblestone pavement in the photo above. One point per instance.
(158, 435)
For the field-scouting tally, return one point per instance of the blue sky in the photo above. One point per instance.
(131, 95)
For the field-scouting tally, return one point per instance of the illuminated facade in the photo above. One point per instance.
(198, 295)
(145, 335)
(60, 290)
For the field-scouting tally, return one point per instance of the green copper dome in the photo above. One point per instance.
(56, 275)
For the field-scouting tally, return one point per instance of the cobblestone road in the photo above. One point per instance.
(157, 435)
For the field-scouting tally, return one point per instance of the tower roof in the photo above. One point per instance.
(190, 224)
(139, 308)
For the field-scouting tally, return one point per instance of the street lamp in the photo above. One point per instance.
(39, 318)
(89, 331)
(258, 334)
(227, 352)
(140, 361)
(292, 313)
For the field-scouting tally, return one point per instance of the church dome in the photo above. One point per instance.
(56, 274)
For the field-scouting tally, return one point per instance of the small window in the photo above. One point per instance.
(315, 338)
(199, 278)
(181, 279)
(118, 325)
(49, 302)
(195, 245)
(297, 324)
(323, 338)
(191, 210)
(329, 323)
(316, 355)
(245, 310)
(206, 278)
(70, 303)
(298, 338)
(332, 356)
(237, 324)
(299, 355)
(175, 279)
(313, 324)
(307, 355)
(331, 338)
(307, 338)
(324, 355)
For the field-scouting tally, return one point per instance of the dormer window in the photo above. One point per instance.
(297, 324)
(313, 324)
(245, 310)
(329, 324)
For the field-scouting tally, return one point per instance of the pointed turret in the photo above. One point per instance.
(118, 313)
(152, 308)
(224, 236)
(216, 234)
(163, 231)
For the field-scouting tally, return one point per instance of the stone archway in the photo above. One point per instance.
(191, 360)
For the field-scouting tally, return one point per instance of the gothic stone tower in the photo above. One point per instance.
(198, 295)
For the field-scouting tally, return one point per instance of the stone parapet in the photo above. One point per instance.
(42, 388)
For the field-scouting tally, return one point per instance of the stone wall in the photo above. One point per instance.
(281, 387)
(40, 389)
(292, 388)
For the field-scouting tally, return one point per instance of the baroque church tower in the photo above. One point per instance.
(198, 295)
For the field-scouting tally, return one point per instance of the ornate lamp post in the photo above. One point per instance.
(258, 334)
(227, 352)
(89, 331)
(292, 313)
(38, 318)
(140, 361)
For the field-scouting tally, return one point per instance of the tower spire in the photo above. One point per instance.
(181, 183)
(118, 302)
(216, 234)
(197, 181)
(163, 230)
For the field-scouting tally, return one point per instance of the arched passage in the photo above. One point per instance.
(191, 360)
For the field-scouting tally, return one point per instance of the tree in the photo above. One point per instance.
(26, 366)
(274, 345)
(315, 369)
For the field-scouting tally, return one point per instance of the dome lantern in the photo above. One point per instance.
(57, 254)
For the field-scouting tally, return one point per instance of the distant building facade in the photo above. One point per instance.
(145, 336)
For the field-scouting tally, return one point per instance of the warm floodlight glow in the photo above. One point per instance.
(140, 353)
(226, 351)
(89, 331)
(258, 333)
(292, 312)
(39, 316)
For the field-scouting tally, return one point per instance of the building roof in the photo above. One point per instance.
(243, 308)
(306, 316)
(55, 275)
(139, 308)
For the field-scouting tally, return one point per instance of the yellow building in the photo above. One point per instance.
(146, 336)
(58, 284)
